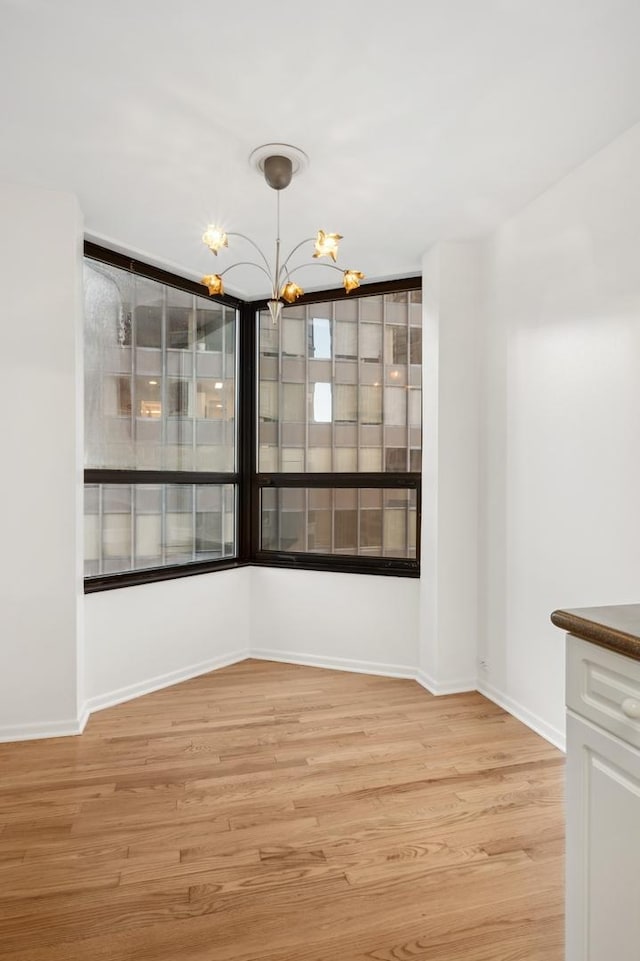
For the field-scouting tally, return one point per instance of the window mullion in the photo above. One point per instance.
(134, 367)
(132, 533)
(100, 530)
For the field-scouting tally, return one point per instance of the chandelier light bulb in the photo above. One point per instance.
(351, 279)
(327, 245)
(213, 283)
(215, 238)
(290, 292)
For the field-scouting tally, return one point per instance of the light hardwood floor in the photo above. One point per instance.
(269, 812)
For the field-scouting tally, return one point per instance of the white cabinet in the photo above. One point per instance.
(603, 805)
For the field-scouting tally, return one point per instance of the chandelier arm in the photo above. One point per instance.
(312, 263)
(248, 263)
(307, 240)
(253, 244)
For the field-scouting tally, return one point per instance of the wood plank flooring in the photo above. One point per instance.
(269, 812)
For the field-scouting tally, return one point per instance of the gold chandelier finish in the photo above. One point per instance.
(278, 171)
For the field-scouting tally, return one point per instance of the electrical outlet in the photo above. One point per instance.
(483, 663)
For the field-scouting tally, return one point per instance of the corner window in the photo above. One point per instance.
(214, 437)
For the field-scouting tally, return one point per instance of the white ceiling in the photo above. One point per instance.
(422, 120)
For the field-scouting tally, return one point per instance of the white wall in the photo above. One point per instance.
(452, 315)
(531, 477)
(355, 621)
(141, 638)
(560, 436)
(63, 654)
(40, 394)
(145, 637)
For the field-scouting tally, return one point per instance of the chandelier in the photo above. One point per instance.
(278, 163)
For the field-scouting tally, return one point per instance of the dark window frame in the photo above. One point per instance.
(247, 481)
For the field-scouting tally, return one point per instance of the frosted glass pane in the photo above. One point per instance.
(180, 319)
(143, 342)
(147, 322)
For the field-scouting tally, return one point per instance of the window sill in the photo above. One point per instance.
(110, 582)
(388, 567)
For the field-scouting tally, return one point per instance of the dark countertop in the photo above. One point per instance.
(616, 627)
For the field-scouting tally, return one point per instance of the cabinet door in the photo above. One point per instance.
(603, 845)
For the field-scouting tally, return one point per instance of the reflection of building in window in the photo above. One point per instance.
(212, 398)
(364, 522)
(160, 395)
(322, 403)
(320, 338)
(165, 398)
(352, 401)
(149, 397)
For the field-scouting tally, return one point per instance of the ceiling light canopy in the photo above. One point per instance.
(278, 163)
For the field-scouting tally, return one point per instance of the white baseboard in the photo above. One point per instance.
(85, 714)
(37, 731)
(547, 731)
(111, 698)
(335, 663)
(45, 729)
(459, 686)
(30, 732)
